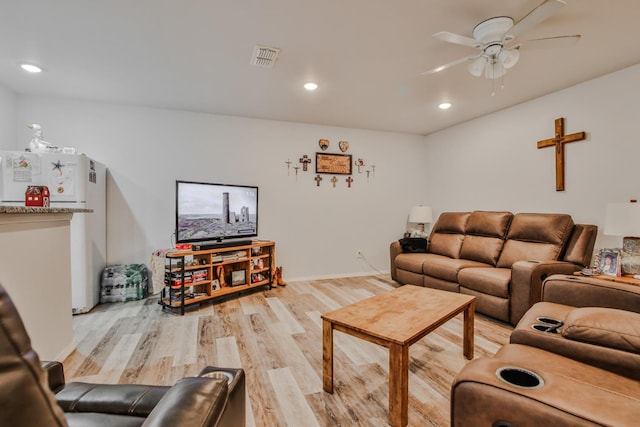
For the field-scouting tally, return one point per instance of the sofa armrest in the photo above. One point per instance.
(193, 401)
(526, 283)
(55, 374)
(394, 250)
(580, 291)
(119, 399)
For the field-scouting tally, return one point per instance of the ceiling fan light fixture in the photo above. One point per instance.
(477, 66)
(509, 57)
(495, 70)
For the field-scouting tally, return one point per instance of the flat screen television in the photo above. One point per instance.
(207, 212)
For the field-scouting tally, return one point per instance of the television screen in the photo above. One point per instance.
(206, 211)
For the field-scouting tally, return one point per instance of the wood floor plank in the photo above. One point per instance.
(276, 337)
(294, 406)
(286, 318)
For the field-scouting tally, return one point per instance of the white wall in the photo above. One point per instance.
(8, 100)
(493, 162)
(490, 163)
(317, 229)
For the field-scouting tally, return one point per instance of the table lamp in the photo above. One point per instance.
(421, 215)
(623, 219)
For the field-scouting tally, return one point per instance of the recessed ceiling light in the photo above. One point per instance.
(444, 106)
(31, 68)
(310, 86)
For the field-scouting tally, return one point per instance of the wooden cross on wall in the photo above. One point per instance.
(558, 141)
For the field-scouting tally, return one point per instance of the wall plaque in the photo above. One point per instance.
(339, 164)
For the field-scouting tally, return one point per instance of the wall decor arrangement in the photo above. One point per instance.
(332, 164)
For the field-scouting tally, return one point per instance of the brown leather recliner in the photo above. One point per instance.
(591, 320)
(580, 367)
(34, 394)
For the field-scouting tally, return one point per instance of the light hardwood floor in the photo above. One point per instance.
(276, 336)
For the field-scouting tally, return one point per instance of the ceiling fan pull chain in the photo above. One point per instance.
(493, 81)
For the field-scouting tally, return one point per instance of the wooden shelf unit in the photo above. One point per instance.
(192, 277)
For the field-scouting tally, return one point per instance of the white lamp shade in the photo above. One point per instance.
(623, 219)
(477, 66)
(509, 57)
(421, 215)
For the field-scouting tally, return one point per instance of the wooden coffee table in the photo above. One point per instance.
(396, 320)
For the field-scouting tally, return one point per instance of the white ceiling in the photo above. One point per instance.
(366, 55)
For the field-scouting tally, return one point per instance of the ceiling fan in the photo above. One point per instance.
(495, 40)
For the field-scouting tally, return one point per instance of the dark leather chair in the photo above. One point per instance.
(34, 394)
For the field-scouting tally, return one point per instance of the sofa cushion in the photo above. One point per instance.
(491, 281)
(482, 249)
(578, 249)
(515, 250)
(606, 327)
(448, 233)
(485, 235)
(491, 224)
(535, 236)
(446, 268)
(411, 261)
(451, 222)
(540, 227)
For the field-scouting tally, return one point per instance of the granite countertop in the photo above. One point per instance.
(38, 210)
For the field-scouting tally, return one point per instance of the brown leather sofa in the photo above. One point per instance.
(34, 394)
(498, 257)
(583, 369)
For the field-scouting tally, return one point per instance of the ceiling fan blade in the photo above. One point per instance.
(450, 64)
(533, 18)
(446, 36)
(551, 42)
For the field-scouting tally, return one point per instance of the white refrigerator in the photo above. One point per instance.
(74, 181)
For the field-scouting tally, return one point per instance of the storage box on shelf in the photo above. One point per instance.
(195, 276)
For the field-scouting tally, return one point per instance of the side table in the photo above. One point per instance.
(630, 280)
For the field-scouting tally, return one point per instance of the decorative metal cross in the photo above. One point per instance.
(305, 160)
(349, 181)
(57, 165)
(296, 169)
(288, 162)
(334, 180)
(558, 141)
(318, 178)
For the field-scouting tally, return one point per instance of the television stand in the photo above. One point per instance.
(192, 277)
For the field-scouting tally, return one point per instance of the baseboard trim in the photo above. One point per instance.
(337, 276)
(66, 352)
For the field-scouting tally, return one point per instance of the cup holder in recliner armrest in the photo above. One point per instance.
(550, 329)
(520, 377)
(550, 321)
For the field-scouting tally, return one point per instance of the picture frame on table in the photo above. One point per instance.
(608, 261)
